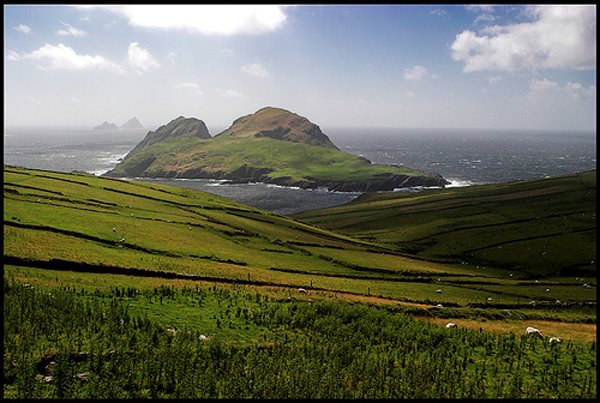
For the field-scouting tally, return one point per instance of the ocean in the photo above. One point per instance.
(465, 157)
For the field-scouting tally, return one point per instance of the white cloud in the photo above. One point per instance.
(438, 12)
(416, 73)
(579, 91)
(187, 85)
(190, 86)
(61, 57)
(559, 37)
(140, 59)
(13, 56)
(171, 56)
(204, 19)
(484, 18)
(23, 28)
(70, 30)
(486, 8)
(226, 51)
(545, 87)
(231, 94)
(255, 70)
(494, 79)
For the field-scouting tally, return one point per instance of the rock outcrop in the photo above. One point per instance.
(132, 123)
(106, 126)
(279, 124)
(179, 127)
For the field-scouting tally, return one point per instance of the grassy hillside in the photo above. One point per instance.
(534, 228)
(294, 160)
(224, 155)
(82, 222)
(272, 145)
(110, 288)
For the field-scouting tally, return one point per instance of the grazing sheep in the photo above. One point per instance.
(83, 376)
(489, 299)
(302, 290)
(438, 291)
(202, 337)
(532, 331)
(42, 378)
(439, 305)
(171, 331)
(554, 339)
(451, 325)
(547, 289)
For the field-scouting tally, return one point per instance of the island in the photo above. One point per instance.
(132, 123)
(273, 146)
(106, 126)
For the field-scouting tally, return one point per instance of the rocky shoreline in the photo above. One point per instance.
(246, 174)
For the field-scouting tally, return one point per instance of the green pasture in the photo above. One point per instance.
(534, 228)
(104, 222)
(286, 159)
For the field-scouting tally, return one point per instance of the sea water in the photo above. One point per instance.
(462, 156)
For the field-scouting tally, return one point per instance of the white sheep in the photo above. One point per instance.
(302, 290)
(438, 291)
(451, 325)
(532, 331)
(554, 339)
(202, 337)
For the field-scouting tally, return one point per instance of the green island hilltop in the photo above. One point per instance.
(273, 146)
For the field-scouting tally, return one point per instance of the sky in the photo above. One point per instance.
(411, 66)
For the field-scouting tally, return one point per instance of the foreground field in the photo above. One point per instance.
(225, 342)
(163, 257)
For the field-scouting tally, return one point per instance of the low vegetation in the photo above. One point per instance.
(109, 286)
(541, 228)
(74, 343)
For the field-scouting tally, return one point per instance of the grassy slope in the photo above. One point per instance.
(543, 227)
(80, 218)
(226, 154)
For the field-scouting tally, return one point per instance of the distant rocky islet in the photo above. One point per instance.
(132, 123)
